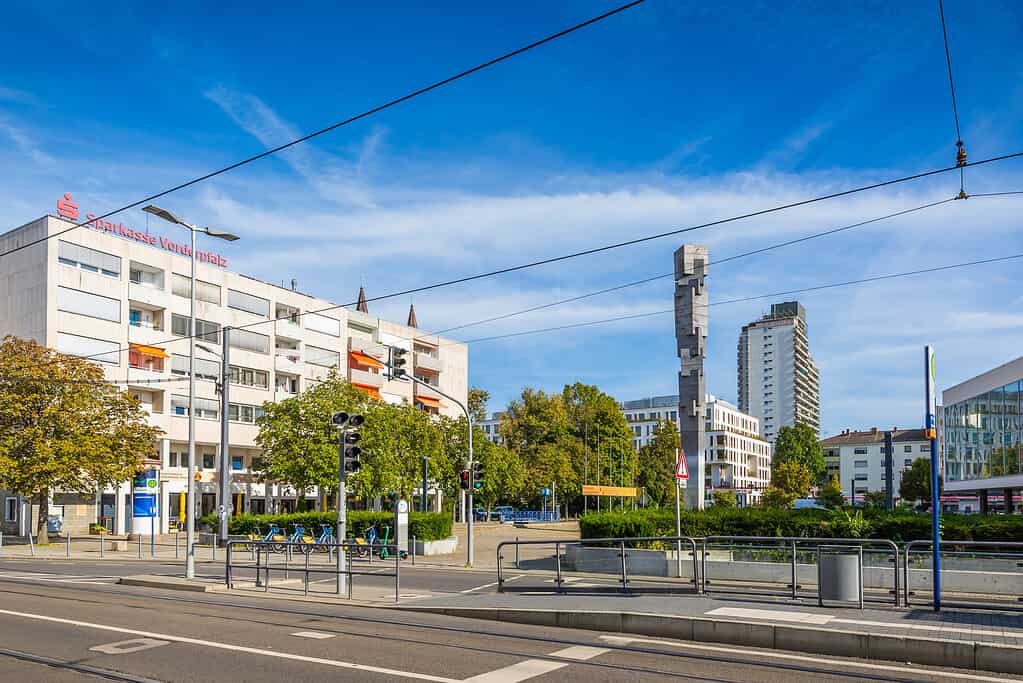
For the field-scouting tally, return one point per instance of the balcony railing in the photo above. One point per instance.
(286, 328)
(371, 379)
(425, 361)
(290, 362)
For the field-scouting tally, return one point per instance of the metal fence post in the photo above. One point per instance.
(350, 580)
(1, 539)
(413, 551)
(516, 553)
(557, 565)
(860, 549)
(259, 552)
(794, 595)
(306, 573)
(67, 553)
(140, 546)
(625, 576)
(397, 572)
(287, 556)
(31, 545)
(101, 545)
(213, 549)
(227, 567)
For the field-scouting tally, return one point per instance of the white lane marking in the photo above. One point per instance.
(234, 648)
(538, 667)
(623, 640)
(317, 635)
(811, 618)
(774, 615)
(125, 647)
(490, 585)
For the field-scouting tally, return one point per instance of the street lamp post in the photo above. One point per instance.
(190, 496)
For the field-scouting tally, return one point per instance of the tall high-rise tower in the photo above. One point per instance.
(778, 381)
(691, 317)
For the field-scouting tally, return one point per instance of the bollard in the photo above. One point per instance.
(350, 581)
(1, 539)
(227, 568)
(516, 552)
(140, 546)
(31, 545)
(307, 573)
(625, 575)
(793, 570)
(413, 551)
(397, 571)
(67, 552)
(557, 561)
(213, 549)
(258, 552)
(101, 545)
(177, 535)
(287, 556)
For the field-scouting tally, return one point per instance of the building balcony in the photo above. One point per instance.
(422, 390)
(150, 336)
(427, 363)
(143, 377)
(281, 395)
(290, 362)
(370, 379)
(287, 329)
(157, 298)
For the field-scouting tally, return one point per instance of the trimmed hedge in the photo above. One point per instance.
(425, 526)
(715, 521)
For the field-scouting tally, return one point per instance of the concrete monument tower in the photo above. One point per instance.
(691, 317)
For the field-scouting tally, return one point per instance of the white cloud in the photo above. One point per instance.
(26, 144)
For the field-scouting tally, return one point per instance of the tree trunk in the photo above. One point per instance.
(42, 530)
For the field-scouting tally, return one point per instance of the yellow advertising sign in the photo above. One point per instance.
(624, 491)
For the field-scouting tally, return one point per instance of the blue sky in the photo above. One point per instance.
(667, 115)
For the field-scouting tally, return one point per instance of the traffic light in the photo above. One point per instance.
(352, 452)
(465, 477)
(477, 476)
(396, 362)
(350, 437)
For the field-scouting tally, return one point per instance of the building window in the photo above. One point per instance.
(237, 462)
(247, 340)
(88, 304)
(907, 449)
(172, 459)
(925, 448)
(208, 461)
(11, 506)
(860, 463)
(249, 303)
(860, 451)
(205, 408)
(204, 291)
(98, 350)
(907, 462)
(204, 368)
(205, 330)
(241, 412)
(324, 357)
(861, 476)
(249, 377)
(94, 261)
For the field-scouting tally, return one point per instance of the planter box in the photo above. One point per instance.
(444, 546)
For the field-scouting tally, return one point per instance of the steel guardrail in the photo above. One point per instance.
(946, 543)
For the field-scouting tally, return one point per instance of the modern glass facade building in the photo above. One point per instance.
(983, 435)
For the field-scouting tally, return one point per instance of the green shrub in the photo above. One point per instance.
(425, 526)
(900, 525)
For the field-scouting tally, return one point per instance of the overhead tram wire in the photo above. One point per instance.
(606, 247)
(960, 148)
(833, 285)
(734, 257)
(352, 119)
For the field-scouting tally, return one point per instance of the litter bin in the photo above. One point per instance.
(840, 574)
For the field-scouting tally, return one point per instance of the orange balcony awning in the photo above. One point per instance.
(369, 389)
(365, 359)
(430, 401)
(154, 351)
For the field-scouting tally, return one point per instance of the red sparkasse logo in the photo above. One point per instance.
(67, 209)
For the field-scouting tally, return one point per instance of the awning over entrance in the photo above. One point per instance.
(153, 351)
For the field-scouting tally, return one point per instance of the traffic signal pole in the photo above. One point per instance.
(342, 513)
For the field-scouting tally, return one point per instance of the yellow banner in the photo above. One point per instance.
(624, 491)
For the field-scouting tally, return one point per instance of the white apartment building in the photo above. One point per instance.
(492, 427)
(857, 458)
(778, 382)
(644, 414)
(121, 295)
(737, 458)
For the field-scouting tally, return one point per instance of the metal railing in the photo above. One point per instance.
(985, 549)
(266, 557)
(620, 544)
(792, 546)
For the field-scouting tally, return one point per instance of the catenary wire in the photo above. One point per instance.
(606, 247)
(948, 62)
(756, 297)
(352, 119)
(996, 194)
(734, 257)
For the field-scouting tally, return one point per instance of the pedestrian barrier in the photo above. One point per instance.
(269, 557)
(987, 572)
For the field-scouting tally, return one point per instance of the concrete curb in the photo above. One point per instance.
(172, 583)
(959, 654)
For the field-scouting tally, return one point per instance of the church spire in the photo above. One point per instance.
(412, 322)
(362, 306)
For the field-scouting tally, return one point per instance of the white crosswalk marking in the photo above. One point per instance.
(532, 668)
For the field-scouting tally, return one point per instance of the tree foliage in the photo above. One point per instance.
(477, 403)
(656, 468)
(799, 444)
(830, 495)
(62, 428)
(791, 477)
(916, 481)
(724, 498)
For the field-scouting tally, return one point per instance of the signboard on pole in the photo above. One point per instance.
(681, 470)
(626, 491)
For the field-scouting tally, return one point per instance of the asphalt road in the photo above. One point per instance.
(75, 624)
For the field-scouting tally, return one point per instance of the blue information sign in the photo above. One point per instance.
(144, 505)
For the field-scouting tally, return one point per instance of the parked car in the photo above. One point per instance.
(480, 515)
(501, 511)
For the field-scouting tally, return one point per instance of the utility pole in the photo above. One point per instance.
(586, 464)
(225, 450)
(347, 460)
(422, 501)
(889, 481)
(931, 425)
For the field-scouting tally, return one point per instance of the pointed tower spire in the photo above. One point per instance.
(412, 322)
(362, 306)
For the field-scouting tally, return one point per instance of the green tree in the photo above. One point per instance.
(533, 420)
(503, 475)
(799, 444)
(830, 495)
(656, 467)
(776, 498)
(916, 481)
(477, 403)
(791, 477)
(875, 499)
(62, 428)
(724, 499)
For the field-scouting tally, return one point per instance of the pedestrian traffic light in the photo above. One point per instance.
(396, 362)
(477, 476)
(465, 477)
